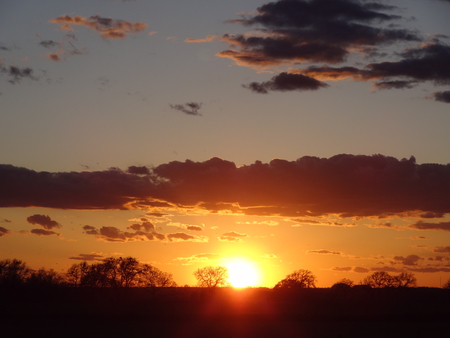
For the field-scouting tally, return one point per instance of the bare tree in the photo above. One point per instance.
(405, 280)
(45, 278)
(127, 270)
(150, 276)
(13, 272)
(299, 279)
(212, 276)
(447, 285)
(382, 279)
(76, 274)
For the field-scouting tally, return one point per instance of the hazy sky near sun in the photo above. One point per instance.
(142, 86)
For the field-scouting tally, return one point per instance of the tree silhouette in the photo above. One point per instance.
(212, 276)
(45, 278)
(447, 285)
(13, 272)
(150, 276)
(118, 272)
(382, 279)
(77, 273)
(343, 284)
(299, 279)
(404, 280)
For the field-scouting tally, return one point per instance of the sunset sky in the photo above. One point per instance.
(294, 134)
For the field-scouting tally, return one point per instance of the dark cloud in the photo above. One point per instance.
(425, 63)
(4, 220)
(408, 260)
(190, 108)
(309, 187)
(110, 189)
(442, 96)
(107, 27)
(88, 257)
(445, 249)
(286, 82)
(359, 269)
(4, 231)
(232, 236)
(113, 234)
(432, 215)
(48, 43)
(145, 226)
(289, 31)
(90, 230)
(16, 74)
(138, 170)
(420, 225)
(42, 232)
(43, 220)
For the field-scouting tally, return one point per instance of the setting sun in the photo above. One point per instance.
(243, 273)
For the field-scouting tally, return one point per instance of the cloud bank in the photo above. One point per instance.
(344, 185)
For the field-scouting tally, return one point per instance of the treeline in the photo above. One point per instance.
(111, 272)
(129, 272)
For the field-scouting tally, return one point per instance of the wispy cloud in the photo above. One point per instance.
(190, 108)
(107, 27)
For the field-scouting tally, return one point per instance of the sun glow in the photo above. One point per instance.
(243, 273)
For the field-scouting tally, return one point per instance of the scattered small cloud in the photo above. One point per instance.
(4, 231)
(209, 38)
(49, 43)
(43, 220)
(408, 260)
(190, 108)
(16, 74)
(232, 236)
(324, 252)
(88, 257)
(145, 225)
(199, 258)
(42, 232)
(183, 237)
(107, 27)
(286, 82)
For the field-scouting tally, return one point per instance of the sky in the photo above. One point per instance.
(294, 134)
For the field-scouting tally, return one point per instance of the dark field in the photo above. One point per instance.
(194, 312)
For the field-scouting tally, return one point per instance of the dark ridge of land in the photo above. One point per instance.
(224, 312)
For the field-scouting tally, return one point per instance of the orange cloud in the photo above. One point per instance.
(209, 38)
(107, 27)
